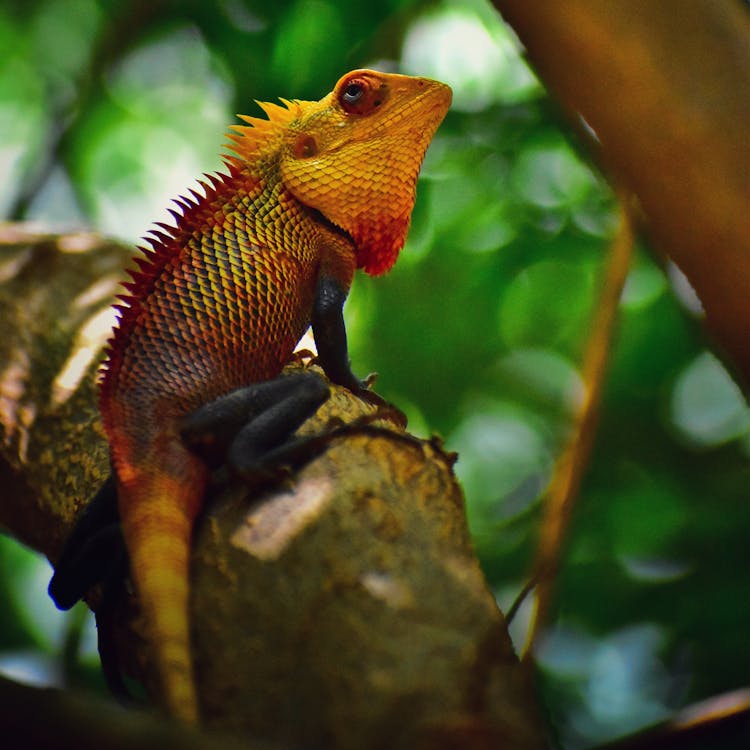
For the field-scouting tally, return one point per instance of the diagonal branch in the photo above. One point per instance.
(572, 463)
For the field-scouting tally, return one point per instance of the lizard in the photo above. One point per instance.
(311, 192)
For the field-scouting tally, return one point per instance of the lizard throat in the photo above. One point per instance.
(376, 247)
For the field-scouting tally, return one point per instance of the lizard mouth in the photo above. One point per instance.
(427, 109)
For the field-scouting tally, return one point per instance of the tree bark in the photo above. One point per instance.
(664, 87)
(342, 608)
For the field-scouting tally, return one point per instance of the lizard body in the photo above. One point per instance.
(220, 301)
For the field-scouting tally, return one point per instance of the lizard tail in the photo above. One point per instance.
(157, 513)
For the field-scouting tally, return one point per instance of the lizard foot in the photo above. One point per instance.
(93, 554)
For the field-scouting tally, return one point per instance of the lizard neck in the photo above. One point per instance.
(273, 208)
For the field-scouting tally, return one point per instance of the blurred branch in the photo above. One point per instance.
(343, 608)
(719, 722)
(119, 32)
(572, 463)
(664, 88)
(88, 723)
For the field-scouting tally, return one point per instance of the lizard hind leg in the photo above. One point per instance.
(250, 427)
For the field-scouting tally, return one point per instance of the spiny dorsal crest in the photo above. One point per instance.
(248, 141)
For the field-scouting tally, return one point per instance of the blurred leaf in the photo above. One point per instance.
(548, 303)
(707, 406)
(311, 37)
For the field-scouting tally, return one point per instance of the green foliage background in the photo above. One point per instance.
(108, 109)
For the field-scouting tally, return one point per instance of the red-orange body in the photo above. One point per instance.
(318, 189)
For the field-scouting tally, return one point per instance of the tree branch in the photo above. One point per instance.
(573, 461)
(664, 87)
(344, 607)
(88, 723)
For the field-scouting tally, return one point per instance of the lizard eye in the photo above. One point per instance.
(352, 93)
(361, 95)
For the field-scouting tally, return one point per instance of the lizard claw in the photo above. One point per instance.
(369, 381)
(386, 410)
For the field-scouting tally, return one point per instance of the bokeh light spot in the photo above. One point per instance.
(707, 406)
(469, 47)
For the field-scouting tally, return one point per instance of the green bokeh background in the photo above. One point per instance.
(109, 109)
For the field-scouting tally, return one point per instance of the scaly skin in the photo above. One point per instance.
(315, 191)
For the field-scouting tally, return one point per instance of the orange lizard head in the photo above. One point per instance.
(355, 155)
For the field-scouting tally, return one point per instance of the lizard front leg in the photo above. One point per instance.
(330, 334)
(329, 331)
